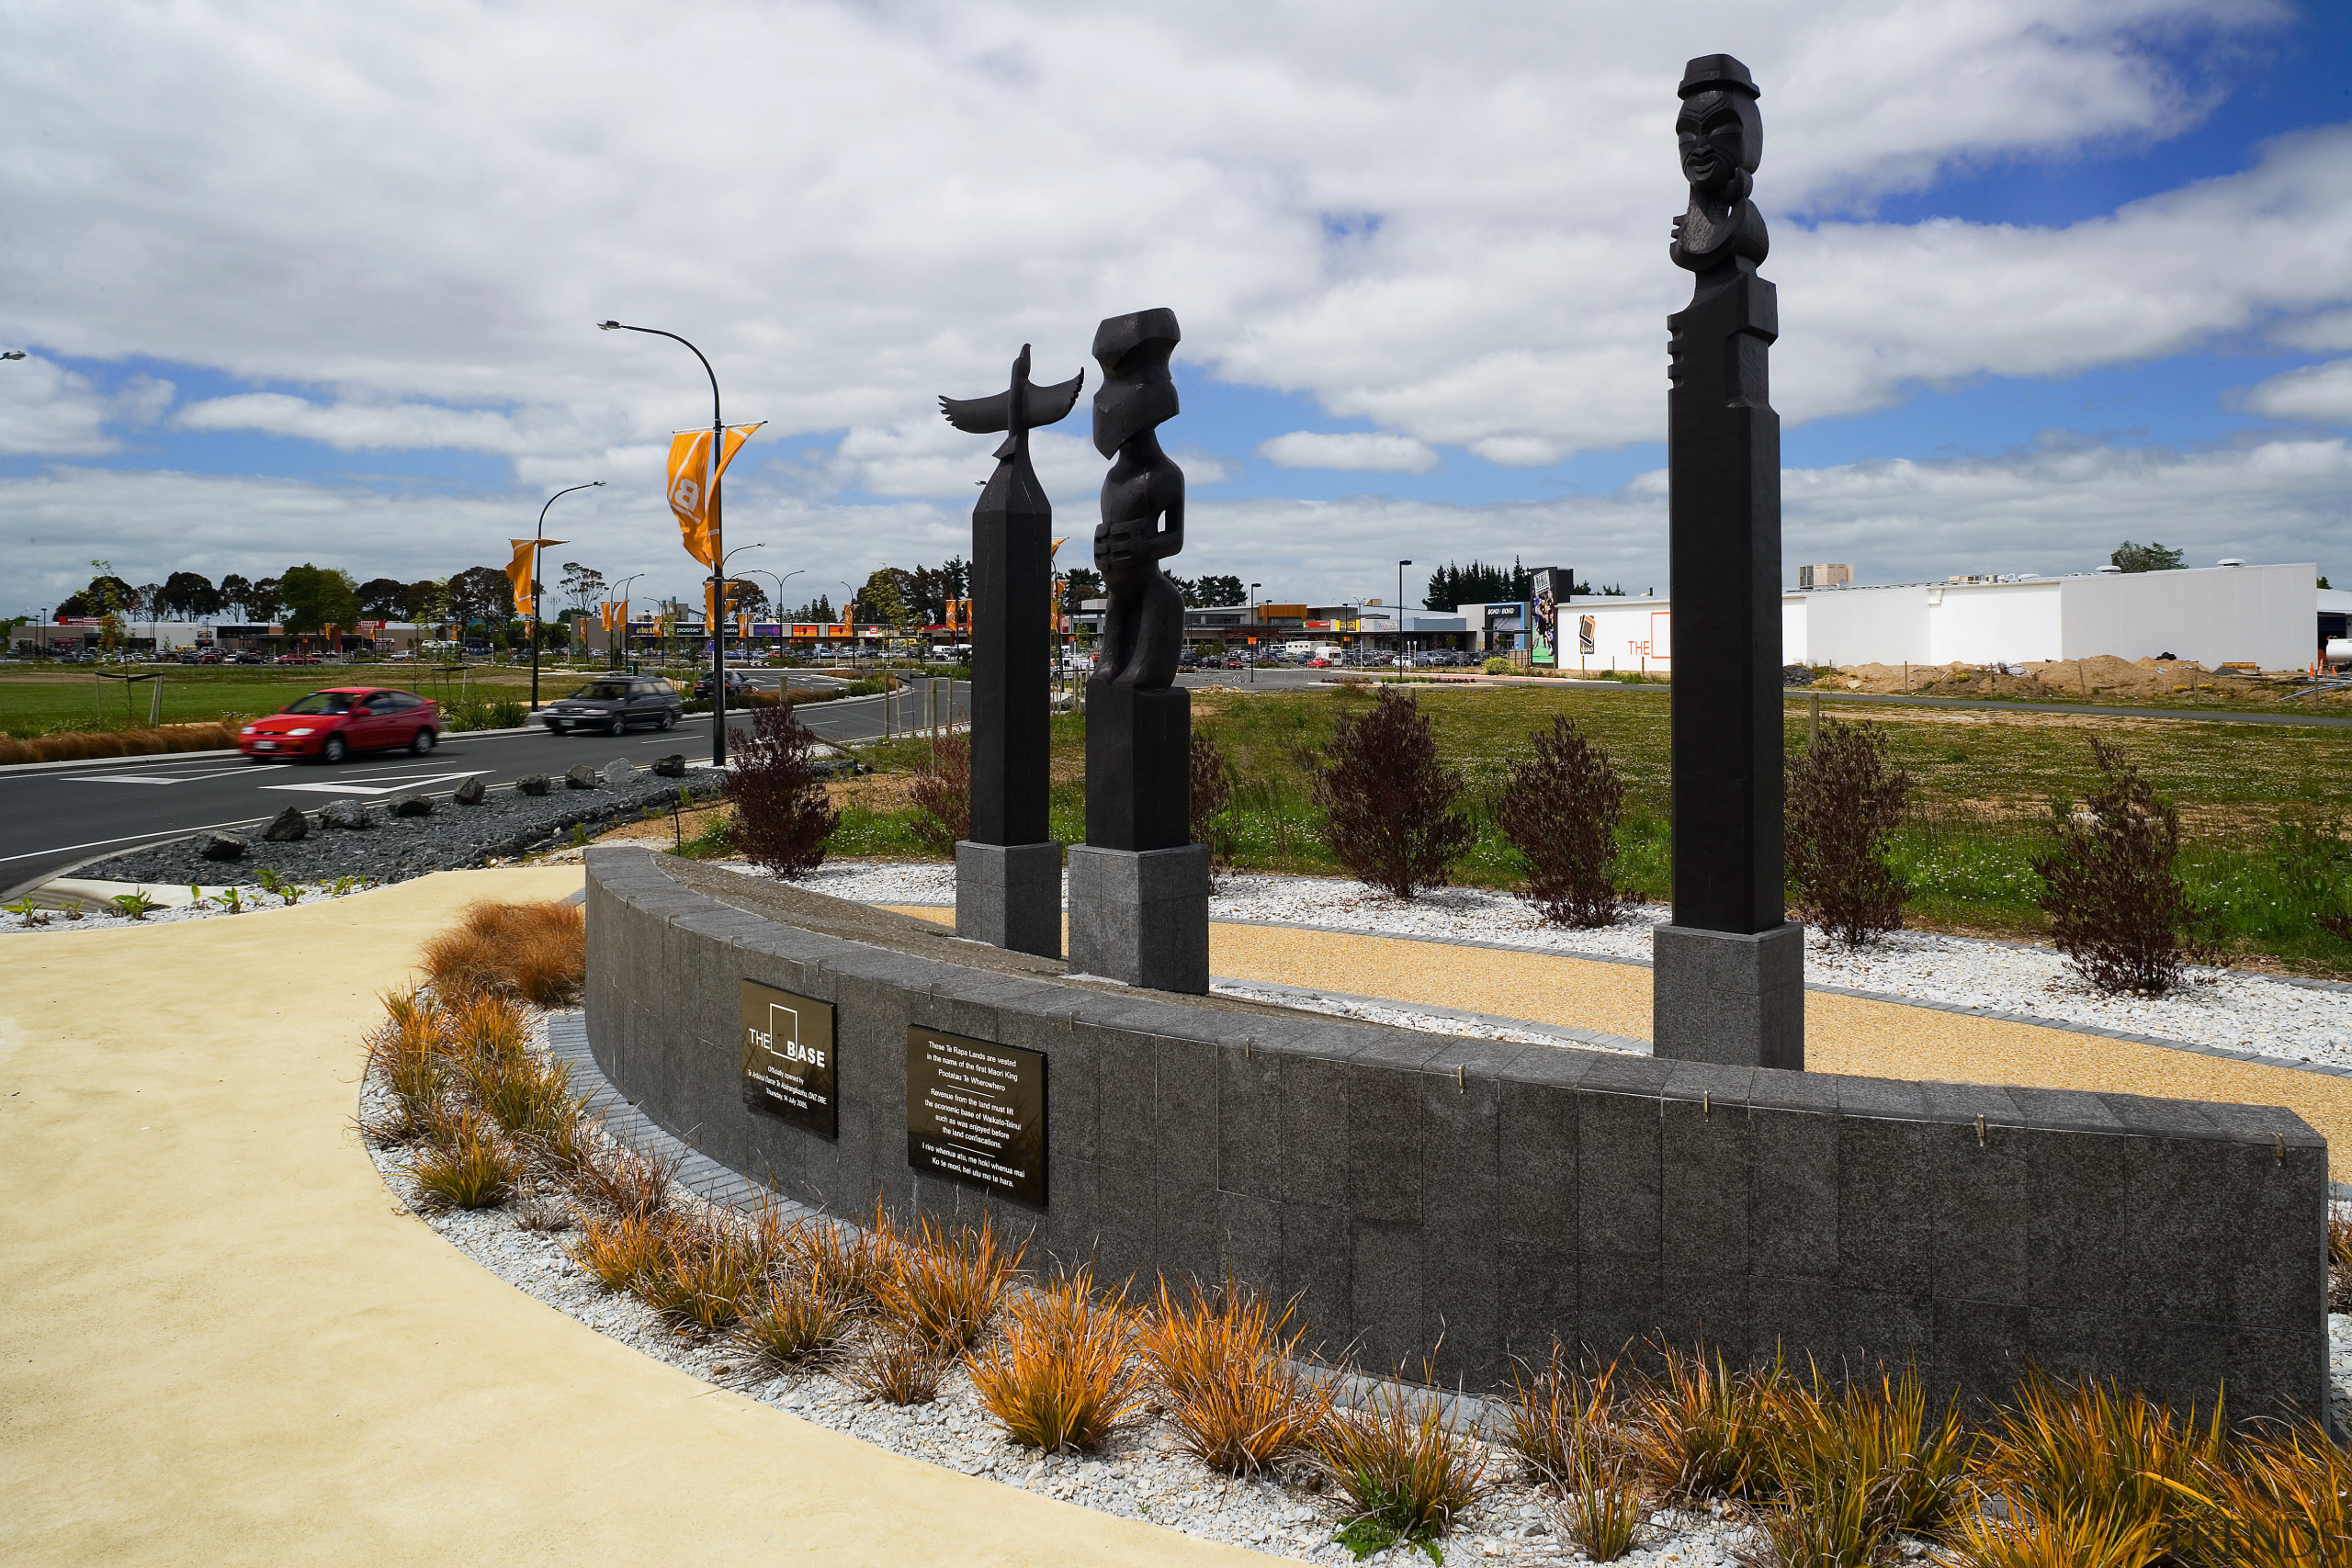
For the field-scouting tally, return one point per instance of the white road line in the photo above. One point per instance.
(393, 788)
(127, 838)
(121, 778)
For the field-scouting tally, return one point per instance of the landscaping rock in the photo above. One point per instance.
(342, 814)
(672, 766)
(618, 774)
(224, 846)
(532, 784)
(288, 826)
(470, 793)
(582, 776)
(415, 802)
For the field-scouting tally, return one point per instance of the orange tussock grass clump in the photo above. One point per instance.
(2078, 1450)
(463, 1164)
(709, 1271)
(899, 1366)
(1238, 1402)
(854, 1260)
(1405, 1459)
(529, 1097)
(618, 1251)
(76, 745)
(410, 1053)
(2030, 1539)
(1564, 1426)
(1703, 1431)
(535, 952)
(800, 1322)
(944, 1286)
(1851, 1467)
(1065, 1376)
(624, 1180)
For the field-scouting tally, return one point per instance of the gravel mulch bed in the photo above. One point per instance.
(506, 822)
(2235, 1009)
(1140, 1474)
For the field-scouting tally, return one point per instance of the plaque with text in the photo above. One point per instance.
(788, 1058)
(976, 1112)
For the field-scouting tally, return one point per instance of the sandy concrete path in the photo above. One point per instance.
(223, 1343)
(1842, 1034)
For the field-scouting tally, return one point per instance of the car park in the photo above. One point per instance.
(612, 703)
(332, 723)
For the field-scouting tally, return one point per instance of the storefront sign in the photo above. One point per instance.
(976, 1112)
(788, 1058)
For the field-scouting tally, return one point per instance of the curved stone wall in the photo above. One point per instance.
(1407, 1186)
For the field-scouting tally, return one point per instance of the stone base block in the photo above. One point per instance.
(1141, 915)
(1009, 895)
(1728, 997)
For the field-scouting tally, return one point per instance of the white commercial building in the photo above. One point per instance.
(2264, 615)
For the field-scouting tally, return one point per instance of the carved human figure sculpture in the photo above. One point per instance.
(1729, 969)
(1138, 735)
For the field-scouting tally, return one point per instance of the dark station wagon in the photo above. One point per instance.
(612, 704)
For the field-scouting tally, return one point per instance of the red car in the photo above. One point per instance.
(332, 724)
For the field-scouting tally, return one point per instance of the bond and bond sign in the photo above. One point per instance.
(788, 1058)
(976, 1111)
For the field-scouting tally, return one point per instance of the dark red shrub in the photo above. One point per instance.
(1846, 798)
(1388, 801)
(1559, 809)
(1212, 792)
(2116, 908)
(782, 815)
(942, 796)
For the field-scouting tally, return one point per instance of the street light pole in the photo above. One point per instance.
(719, 627)
(1256, 631)
(718, 557)
(539, 548)
(620, 648)
(1400, 613)
(782, 636)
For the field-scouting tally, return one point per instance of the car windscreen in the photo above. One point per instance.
(320, 702)
(603, 691)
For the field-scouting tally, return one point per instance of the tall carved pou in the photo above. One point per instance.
(1139, 724)
(1729, 971)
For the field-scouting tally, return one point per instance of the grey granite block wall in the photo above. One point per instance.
(1414, 1190)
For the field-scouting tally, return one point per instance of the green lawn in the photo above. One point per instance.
(2260, 804)
(45, 700)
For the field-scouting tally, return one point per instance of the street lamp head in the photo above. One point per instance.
(13, 353)
(608, 326)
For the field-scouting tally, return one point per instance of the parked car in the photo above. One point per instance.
(737, 684)
(329, 725)
(613, 703)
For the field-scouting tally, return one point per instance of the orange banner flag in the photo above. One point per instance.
(518, 572)
(691, 478)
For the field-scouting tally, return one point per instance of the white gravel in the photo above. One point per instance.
(94, 916)
(2235, 1009)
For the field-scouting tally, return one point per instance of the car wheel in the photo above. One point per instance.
(558, 728)
(619, 725)
(334, 750)
(422, 742)
(667, 720)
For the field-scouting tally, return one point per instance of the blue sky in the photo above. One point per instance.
(420, 337)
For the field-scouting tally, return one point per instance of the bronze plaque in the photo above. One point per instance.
(788, 1058)
(976, 1112)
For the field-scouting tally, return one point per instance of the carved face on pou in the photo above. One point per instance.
(1722, 140)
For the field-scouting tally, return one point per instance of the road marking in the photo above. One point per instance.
(393, 788)
(127, 838)
(121, 778)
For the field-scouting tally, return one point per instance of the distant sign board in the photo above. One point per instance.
(788, 1065)
(976, 1113)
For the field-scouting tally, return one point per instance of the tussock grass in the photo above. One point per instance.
(618, 1250)
(2072, 1451)
(799, 1322)
(76, 745)
(1407, 1463)
(1565, 1427)
(526, 1096)
(463, 1164)
(623, 1180)
(2035, 1540)
(853, 1259)
(537, 953)
(1065, 1376)
(1224, 1362)
(1705, 1430)
(899, 1366)
(709, 1271)
(946, 1286)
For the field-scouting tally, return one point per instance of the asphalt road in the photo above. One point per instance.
(54, 817)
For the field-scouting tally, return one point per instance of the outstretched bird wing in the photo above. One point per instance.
(1047, 404)
(978, 416)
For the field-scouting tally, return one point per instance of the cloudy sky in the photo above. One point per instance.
(317, 282)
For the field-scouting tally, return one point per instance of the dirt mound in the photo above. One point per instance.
(2100, 675)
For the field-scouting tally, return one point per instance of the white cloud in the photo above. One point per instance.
(2321, 393)
(1449, 220)
(1354, 449)
(52, 411)
(358, 426)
